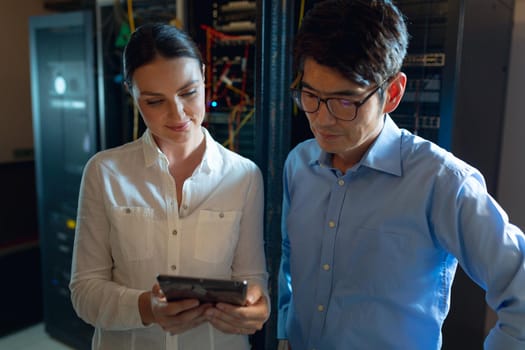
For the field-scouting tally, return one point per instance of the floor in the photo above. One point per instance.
(32, 338)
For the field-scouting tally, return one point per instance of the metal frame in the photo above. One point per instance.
(273, 106)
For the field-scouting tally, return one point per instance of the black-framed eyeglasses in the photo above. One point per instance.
(339, 108)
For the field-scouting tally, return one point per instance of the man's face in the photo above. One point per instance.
(347, 140)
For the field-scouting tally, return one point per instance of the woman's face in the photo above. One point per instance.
(169, 93)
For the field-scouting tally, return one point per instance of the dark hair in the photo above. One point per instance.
(156, 39)
(364, 40)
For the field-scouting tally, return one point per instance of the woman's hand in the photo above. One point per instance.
(174, 317)
(241, 319)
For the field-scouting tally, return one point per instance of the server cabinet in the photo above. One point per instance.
(457, 72)
(64, 111)
(276, 128)
(226, 32)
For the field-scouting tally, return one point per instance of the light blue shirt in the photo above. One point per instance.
(370, 255)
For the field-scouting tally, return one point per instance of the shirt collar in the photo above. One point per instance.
(211, 160)
(385, 152)
(383, 155)
(151, 151)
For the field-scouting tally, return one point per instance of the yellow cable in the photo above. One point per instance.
(130, 16)
(238, 91)
(238, 129)
(301, 13)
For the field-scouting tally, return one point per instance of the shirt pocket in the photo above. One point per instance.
(132, 227)
(217, 234)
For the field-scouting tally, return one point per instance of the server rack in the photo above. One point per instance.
(228, 44)
(419, 110)
(276, 128)
(64, 111)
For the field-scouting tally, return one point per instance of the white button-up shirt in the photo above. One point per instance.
(129, 230)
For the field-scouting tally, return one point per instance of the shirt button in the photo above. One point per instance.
(221, 214)
(173, 267)
(326, 267)
(341, 182)
(331, 224)
(174, 232)
(320, 308)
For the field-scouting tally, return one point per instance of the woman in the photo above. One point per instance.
(172, 202)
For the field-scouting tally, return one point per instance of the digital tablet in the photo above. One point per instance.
(207, 290)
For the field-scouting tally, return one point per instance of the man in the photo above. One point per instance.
(376, 219)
